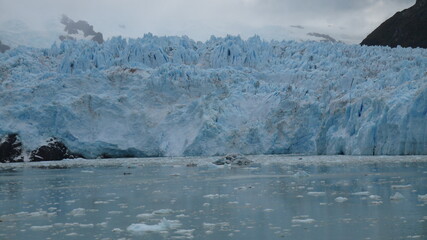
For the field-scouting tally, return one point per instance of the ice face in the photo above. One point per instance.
(172, 96)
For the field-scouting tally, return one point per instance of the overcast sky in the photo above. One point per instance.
(347, 20)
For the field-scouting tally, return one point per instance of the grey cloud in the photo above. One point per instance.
(201, 18)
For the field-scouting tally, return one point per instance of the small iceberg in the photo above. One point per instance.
(163, 225)
(397, 197)
(340, 199)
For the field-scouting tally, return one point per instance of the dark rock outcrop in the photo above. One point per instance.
(233, 159)
(3, 47)
(11, 149)
(53, 150)
(73, 28)
(407, 28)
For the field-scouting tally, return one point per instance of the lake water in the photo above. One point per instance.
(279, 197)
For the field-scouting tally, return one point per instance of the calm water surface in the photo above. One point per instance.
(381, 200)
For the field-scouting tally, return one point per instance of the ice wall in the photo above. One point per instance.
(172, 96)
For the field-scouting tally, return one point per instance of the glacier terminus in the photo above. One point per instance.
(172, 96)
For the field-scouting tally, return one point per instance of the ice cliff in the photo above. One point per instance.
(172, 96)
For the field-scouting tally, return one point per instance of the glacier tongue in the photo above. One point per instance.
(172, 96)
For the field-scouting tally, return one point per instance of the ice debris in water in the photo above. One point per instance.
(163, 211)
(154, 213)
(215, 196)
(41, 228)
(24, 215)
(397, 196)
(401, 186)
(78, 212)
(233, 159)
(422, 197)
(301, 174)
(303, 220)
(340, 199)
(163, 225)
(374, 197)
(185, 233)
(316, 194)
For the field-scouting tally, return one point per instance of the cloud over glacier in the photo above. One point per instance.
(172, 96)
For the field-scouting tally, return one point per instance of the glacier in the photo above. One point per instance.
(172, 96)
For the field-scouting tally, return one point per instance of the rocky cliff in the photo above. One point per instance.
(407, 28)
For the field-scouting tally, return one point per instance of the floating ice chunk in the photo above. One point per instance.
(377, 202)
(316, 194)
(340, 199)
(214, 196)
(163, 225)
(156, 212)
(223, 226)
(163, 212)
(422, 197)
(78, 212)
(301, 174)
(401, 186)
(305, 221)
(268, 210)
(397, 197)
(73, 225)
(374, 197)
(414, 237)
(145, 215)
(185, 233)
(41, 228)
(23, 215)
(102, 224)
(89, 225)
(209, 225)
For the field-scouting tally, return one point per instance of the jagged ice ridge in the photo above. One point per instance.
(172, 96)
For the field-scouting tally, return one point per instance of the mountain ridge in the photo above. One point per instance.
(407, 28)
